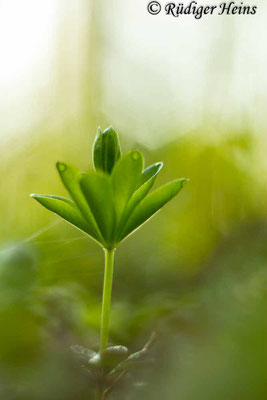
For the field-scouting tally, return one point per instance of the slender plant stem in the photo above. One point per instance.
(100, 392)
(106, 300)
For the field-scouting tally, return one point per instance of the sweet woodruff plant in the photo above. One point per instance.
(110, 202)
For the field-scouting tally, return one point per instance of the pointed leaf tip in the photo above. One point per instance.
(184, 181)
(61, 167)
(151, 171)
(67, 210)
(146, 181)
(106, 150)
(151, 204)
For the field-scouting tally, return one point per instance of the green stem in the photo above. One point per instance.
(106, 300)
(100, 392)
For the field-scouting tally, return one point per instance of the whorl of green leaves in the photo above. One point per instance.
(113, 201)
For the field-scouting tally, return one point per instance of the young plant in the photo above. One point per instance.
(109, 204)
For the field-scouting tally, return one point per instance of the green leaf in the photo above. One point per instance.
(151, 172)
(131, 362)
(67, 210)
(98, 193)
(106, 150)
(147, 179)
(82, 353)
(70, 177)
(151, 204)
(125, 179)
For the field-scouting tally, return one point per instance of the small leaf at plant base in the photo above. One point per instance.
(67, 210)
(113, 355)
(71, 176)
(132, 361)
(125, 178)
(106, 150)
(82, 353)
(151, 204)
(98, 193)
(95, 362)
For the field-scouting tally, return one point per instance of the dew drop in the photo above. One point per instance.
(135, 155)
(61, 167)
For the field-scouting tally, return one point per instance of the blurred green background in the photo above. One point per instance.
(189, 93)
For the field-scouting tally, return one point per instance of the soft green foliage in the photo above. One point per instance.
(112, 357)
(111, 202)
